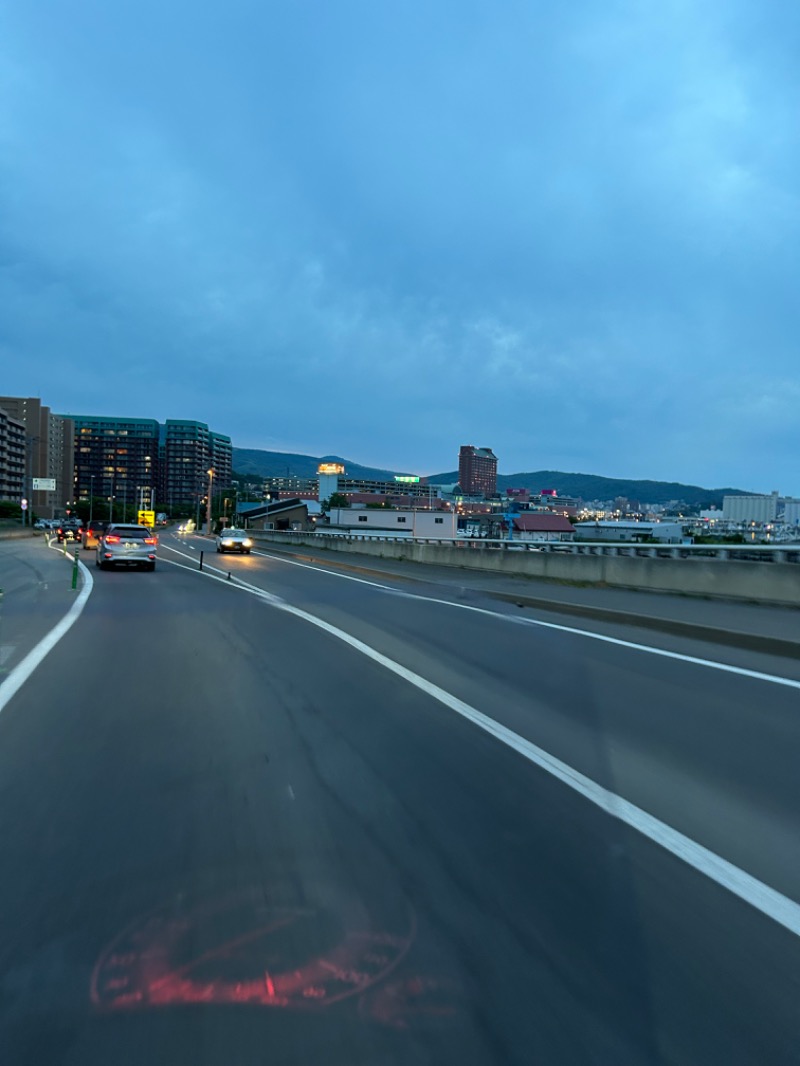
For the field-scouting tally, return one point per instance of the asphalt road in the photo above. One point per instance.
(234, 836)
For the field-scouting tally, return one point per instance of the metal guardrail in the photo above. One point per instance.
(745, 553)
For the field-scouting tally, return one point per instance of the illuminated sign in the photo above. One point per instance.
(407, 479)
(330, 468)
(146, 518)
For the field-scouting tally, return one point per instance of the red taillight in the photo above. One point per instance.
(150, 540)
(112, 540)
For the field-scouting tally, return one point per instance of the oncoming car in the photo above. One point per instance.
(126, 545)
(234, 540)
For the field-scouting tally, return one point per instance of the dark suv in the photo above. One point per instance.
(69, 529)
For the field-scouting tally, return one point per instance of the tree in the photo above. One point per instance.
(338, 499)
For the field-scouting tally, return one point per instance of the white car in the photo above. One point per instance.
(234, 540)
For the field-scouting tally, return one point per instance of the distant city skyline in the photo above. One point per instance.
(569, 231)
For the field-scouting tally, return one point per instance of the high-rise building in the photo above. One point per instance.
(187, 460)
(140, 461)
(221, 451)
(116, 458)
(477, 471)
(12, 457)
(48, 452)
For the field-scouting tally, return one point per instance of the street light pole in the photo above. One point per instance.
(208, 501)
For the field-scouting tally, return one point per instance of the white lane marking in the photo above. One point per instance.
(711, 664)
(762, 897)
(332, 573)
(23, 670)
(206, 566)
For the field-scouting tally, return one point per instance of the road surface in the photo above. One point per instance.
(302, 817)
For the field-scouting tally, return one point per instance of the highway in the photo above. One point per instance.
(302, 816)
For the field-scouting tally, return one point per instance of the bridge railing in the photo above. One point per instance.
(743, 553)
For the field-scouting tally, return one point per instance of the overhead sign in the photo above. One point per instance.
(146, 518)
(407, 479)
(44, 484)
(330, 468)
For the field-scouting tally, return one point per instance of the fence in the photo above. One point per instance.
(757, 573)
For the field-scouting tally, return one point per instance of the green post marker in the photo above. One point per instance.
(75, 571)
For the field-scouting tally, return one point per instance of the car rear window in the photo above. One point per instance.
(129, 532)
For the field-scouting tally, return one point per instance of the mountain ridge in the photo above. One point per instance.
(262, 463)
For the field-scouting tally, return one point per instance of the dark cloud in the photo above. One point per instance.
(386, 230)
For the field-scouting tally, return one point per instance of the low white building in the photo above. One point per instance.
(630, 532)
(384, 521)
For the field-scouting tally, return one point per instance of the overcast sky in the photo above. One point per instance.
(386, 228)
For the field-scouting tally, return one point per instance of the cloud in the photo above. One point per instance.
(571, 232)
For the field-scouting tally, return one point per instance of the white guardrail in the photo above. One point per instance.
(745, 553)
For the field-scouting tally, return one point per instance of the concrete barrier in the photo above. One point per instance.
(16, 534)
(769, 583)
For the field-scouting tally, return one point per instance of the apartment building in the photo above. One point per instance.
(48, 447)
(12, 457)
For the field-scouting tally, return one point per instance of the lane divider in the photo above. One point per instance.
(768, 901)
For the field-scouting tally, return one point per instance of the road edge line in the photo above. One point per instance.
(23, 670)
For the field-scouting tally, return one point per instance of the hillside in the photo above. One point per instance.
(257, 463)
(594, 487)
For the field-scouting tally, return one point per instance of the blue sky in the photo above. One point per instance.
(384, 229)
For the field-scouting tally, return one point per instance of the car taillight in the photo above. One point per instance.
(150, 540)
(112, 540)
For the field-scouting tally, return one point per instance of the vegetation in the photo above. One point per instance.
(10, 511)
(710, 538)
(338, 499)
